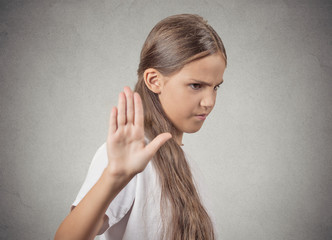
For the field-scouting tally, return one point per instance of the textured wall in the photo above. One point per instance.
(265, 151)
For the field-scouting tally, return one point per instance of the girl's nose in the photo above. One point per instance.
(208, 100)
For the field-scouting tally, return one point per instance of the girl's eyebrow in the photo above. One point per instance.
(205, 83)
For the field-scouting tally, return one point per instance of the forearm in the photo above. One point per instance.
(85, 219)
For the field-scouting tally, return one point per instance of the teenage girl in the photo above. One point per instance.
(139, 184)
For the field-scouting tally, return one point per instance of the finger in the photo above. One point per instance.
(156, 143)
(130, 105)
(121, 110)
(139, 113)
(113, 123)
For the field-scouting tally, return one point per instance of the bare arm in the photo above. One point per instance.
(86, 219)
(127, 156)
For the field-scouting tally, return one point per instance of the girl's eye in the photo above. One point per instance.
(195, 86)
(216, 87)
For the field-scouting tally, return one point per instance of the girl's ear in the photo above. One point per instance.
(153, 80)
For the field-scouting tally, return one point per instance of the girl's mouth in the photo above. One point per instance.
(202, 116)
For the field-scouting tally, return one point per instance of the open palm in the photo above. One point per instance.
(126, 150)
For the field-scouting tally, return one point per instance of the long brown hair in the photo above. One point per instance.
(172, 43)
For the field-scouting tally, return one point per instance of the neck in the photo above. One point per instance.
(178, 139)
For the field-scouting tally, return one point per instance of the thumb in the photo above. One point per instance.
(156, 143)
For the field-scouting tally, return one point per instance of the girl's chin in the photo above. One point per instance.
(193, 130)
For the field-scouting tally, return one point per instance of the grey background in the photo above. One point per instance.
(265, 151)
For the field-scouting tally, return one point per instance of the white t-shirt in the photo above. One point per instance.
(135, 212)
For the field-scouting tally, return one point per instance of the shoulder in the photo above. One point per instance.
(96, 168)
(99, 161)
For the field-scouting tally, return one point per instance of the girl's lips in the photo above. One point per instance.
(201, 117)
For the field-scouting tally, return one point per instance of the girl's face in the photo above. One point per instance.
(188, 96)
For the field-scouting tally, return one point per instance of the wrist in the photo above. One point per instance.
(116, 179)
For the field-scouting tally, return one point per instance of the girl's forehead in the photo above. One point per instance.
(210, 66)
(209, 69)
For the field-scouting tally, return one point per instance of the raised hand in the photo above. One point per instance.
(126, 149)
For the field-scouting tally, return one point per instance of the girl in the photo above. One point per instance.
(139, 184)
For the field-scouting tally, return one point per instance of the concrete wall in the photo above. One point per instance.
(265, 151)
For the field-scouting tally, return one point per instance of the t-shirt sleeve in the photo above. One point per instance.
(122, 203)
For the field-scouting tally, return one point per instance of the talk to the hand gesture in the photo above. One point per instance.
(126, 150)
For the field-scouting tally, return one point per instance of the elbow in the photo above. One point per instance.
(61, 235)
(58, 235)
(65, 234)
